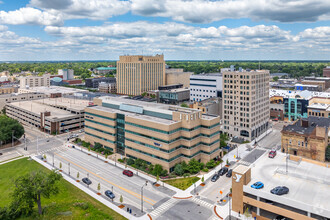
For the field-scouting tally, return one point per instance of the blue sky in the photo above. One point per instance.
(181, 29)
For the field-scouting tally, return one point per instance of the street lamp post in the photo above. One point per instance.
(115, 159)
(69, 169)
(142, 195)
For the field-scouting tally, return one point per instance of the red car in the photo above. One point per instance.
(272, 154)
(128, 173)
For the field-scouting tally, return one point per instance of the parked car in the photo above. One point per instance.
(87, 181)
(272, 153)
(230, 173)
(110, 194)
(223, 171)
(280, 217)
(257, 185)
(280, 190)
(128, 173)
(215, 177)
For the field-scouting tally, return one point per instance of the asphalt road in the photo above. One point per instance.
(109, 176)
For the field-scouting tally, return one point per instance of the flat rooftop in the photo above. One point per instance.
(68, 103)
(319, 106)
(309, 184)
(37, 107)
(305, 94)
(54, 89)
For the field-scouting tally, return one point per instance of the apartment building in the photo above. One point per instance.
(7, 90)
(246, 103)
(307, 137)
(139, 74)
(156, 133)
(319, 106)
(205, 86)
(108, 87)
(53, 116)
(94, 82)
(34, 81)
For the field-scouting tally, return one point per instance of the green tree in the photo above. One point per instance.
(30, 188)
(77, 175)
(223, 140)
(203, 179)
(157, 170)
(144, 94)
(60, 165)
(194, 166)
(99, 187)
(121, 199)
(184, 105)
(275, 79)
(178, 170)
(9, 127)
(210, 164)
(327, 153)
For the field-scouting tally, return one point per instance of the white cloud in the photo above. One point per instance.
(30, 16)
(90, 9)
(205, 11)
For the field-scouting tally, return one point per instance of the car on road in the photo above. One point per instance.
(87, 181)
(110, 194)
(230, 173)
(257, 185)
(223, 171)
(0, 153)
(272, 153)
(215, 177)
(280, 190)
(128, 173)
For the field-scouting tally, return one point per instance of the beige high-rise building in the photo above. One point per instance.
(245, 103)
(34, 81)
(138, 74)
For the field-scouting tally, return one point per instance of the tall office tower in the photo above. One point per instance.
(138, 74)
(66, 73)
(245, 103)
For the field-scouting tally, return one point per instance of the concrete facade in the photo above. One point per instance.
(174, 96)
(34, 81)
(139, 74)
(19, 97)
(7, 90)
(66, 73)
(53, 116)
(246, 103)
(177, 76)
(319, 107)
(156, 133)
(204, 86)
(94, 82)
(108, 87)
(211, 106)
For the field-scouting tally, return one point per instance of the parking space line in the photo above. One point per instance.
(151, 202)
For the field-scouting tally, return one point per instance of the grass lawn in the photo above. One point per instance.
(70, 203)
(183, 183)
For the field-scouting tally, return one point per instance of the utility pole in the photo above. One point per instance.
(12, 138)
(142, 195)
(69, 169)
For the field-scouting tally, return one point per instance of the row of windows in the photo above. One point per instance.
(193, 84)
(96, 122)
(204, 90)
(93, 135)
(172, 131)
(100, 116)
(173, 158)
(99, 130)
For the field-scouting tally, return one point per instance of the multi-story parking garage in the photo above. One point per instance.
(53, 116)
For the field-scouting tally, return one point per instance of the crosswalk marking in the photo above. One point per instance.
(214, 218)
(203, 203)
(161, 209)
(60, 148)
(245, 163)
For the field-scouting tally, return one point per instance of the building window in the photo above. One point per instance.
(298, 143)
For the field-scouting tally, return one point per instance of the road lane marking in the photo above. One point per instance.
(126, 190)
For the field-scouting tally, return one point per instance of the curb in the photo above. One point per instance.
(174, 197)
(215, 211)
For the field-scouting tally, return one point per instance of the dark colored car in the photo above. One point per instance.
(128, 173)
(87, 181)
(0, 153)
(215, 177)
(230, 173)
(280, 217)
(280, 190)
(110, 194)
(223, 171)
(272, 154)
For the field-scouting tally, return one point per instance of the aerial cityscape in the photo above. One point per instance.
(165, 110)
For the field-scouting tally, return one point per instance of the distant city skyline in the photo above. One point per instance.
(44, 30)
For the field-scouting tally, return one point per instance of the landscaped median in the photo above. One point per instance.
(69, 203)
(182, 183)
